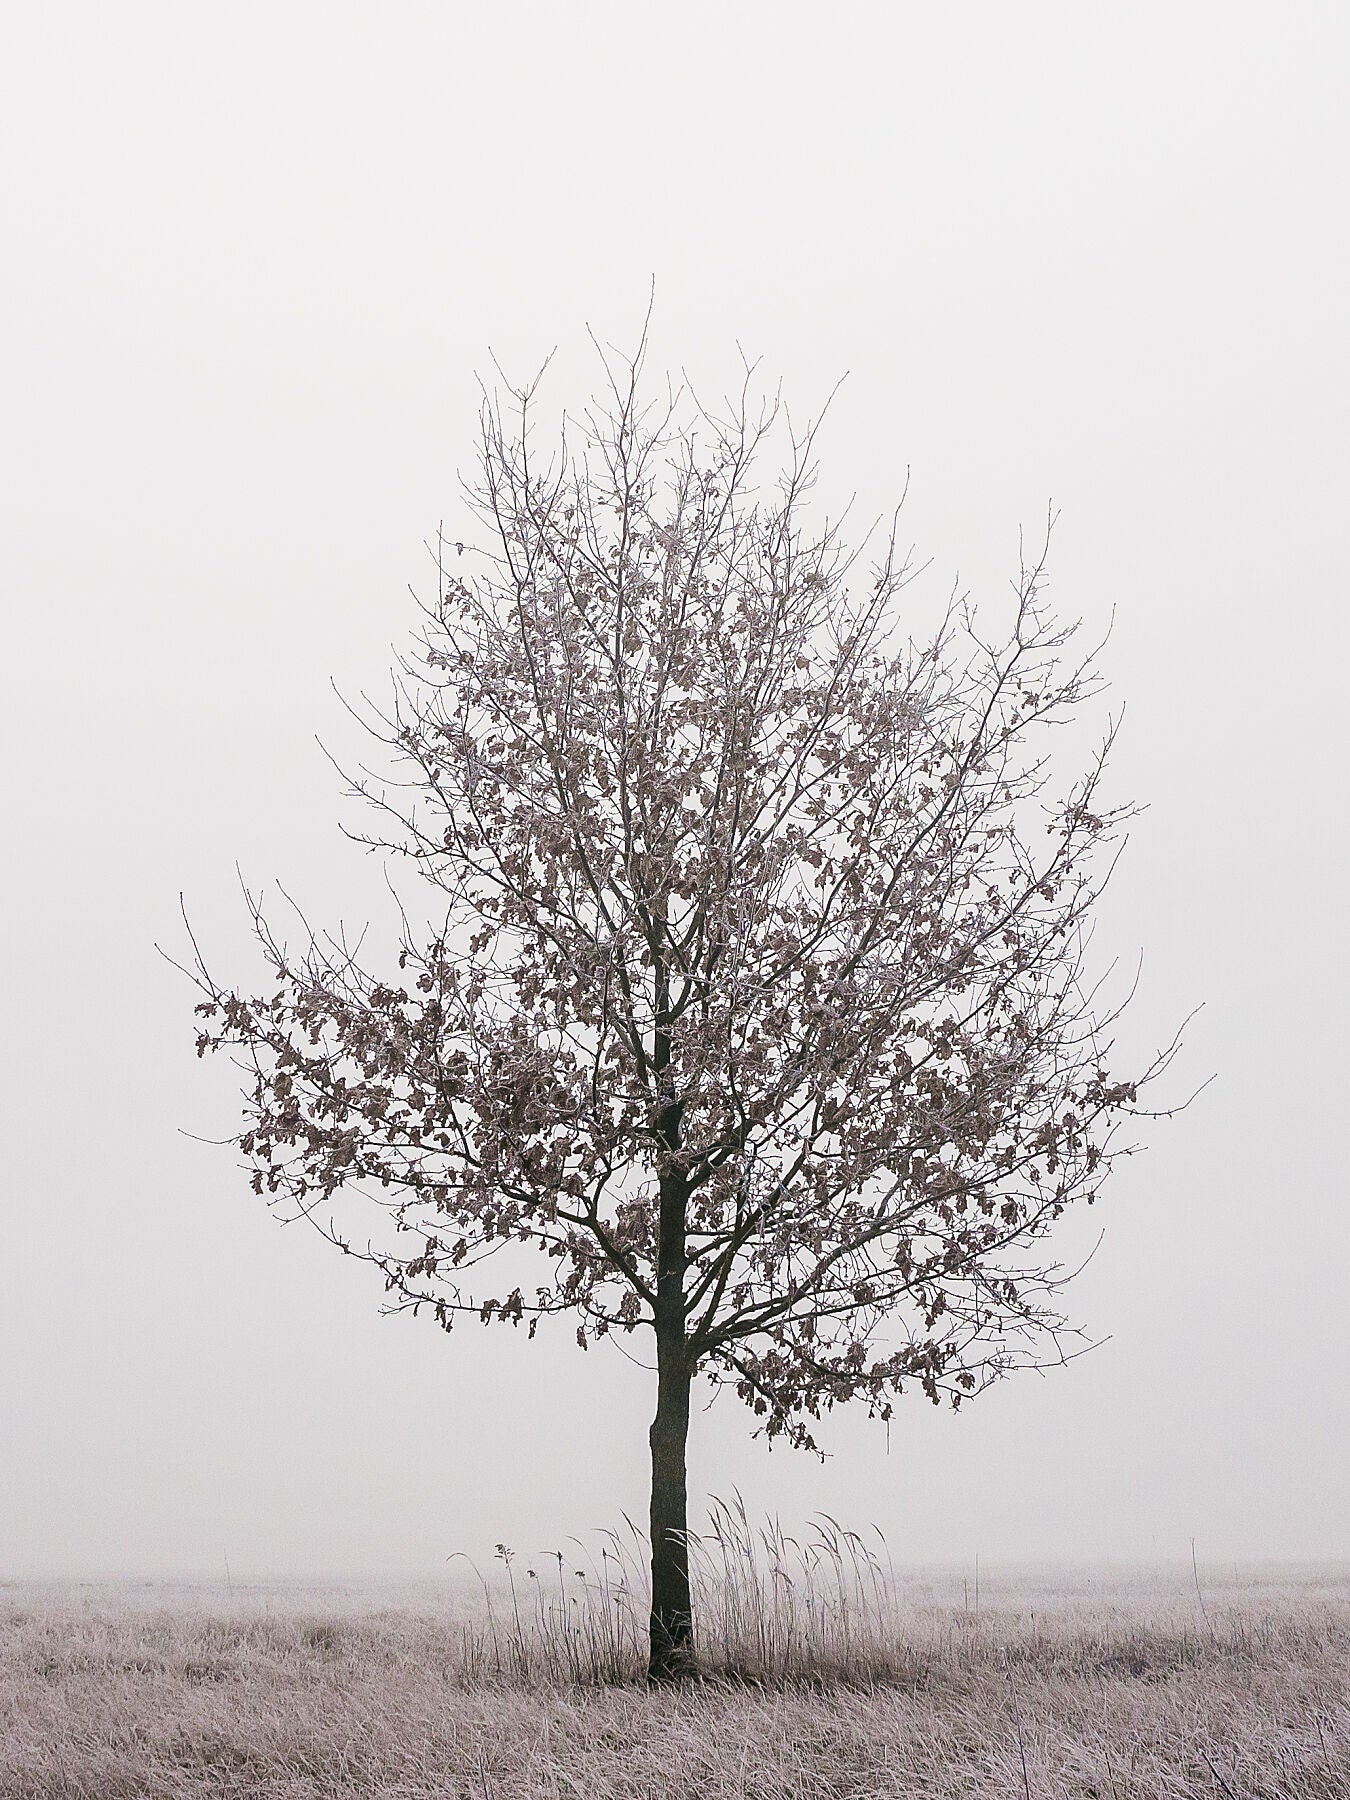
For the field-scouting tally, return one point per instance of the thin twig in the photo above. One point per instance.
(1017, 1720)
(1219, 1778)
(1204, 1610)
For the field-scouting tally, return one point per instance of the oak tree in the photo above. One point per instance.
(754, 1005)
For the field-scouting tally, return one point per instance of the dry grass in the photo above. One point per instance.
(1087, 1686)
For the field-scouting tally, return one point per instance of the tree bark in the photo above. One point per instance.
(671, 1651)
(672, 1612)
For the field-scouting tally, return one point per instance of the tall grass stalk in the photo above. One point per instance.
(769, 1606)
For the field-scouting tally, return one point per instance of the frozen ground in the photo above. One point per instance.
(1095, 1684)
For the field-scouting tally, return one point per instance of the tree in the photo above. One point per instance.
(754, 1005)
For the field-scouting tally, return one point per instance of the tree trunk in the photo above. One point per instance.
(672, 1613)
(671, 1654)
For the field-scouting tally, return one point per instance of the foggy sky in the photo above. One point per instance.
(254, 257)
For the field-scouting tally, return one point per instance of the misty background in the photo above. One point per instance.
(253, 259)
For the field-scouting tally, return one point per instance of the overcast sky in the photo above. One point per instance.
(253, 257)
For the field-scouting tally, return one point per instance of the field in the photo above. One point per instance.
(828, 1680)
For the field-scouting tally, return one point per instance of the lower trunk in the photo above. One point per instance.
(672, 1614)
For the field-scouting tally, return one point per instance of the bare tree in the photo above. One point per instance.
(756, 1004)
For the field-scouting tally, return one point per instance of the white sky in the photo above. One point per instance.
(253, 257)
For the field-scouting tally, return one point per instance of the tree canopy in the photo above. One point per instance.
(754, 1001)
